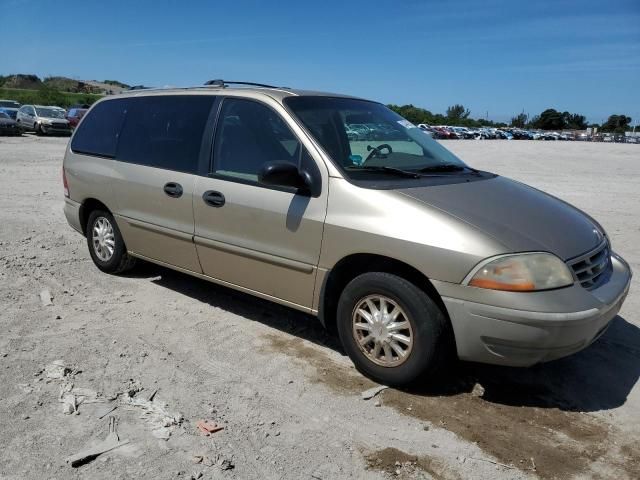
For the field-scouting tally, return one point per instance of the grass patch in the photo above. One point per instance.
(47, 96)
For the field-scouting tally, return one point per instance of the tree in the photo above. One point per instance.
(457, 112)
(520, 120)
(575, 121)
(413, 114)
(616, 124)
(550, 119)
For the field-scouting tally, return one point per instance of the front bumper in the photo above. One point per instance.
(10, 130)
(55, 129)
(522, 329)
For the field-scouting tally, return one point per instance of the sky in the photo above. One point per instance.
(497, 58)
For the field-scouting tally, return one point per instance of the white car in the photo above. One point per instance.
(43, 120)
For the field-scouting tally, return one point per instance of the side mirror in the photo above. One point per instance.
(284, 174)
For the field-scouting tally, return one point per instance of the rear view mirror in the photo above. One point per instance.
(284, 174)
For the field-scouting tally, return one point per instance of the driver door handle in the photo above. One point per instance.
(213, 198)
(173, 189)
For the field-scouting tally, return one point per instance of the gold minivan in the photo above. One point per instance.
(390, 239)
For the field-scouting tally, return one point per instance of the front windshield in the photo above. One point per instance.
(49, 112)
(361, 136)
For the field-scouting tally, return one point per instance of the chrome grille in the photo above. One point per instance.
(592, 268)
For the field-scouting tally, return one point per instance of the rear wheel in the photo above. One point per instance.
(393, 332)
(106, 245)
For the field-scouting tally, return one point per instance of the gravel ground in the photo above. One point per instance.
(288, 399)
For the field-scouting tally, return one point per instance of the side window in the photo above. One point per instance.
(98, 134)
(248, 135)
(165, 131)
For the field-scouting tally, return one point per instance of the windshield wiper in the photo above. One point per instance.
(447, 167)
(384, 169)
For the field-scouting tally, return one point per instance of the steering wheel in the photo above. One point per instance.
(377, 151)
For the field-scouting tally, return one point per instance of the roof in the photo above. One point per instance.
(277, 93)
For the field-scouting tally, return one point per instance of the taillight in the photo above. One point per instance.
(65, 184)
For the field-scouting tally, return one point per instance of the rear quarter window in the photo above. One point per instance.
(98, 133)
(165, 131)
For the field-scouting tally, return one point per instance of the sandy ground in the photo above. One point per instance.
(288, 399)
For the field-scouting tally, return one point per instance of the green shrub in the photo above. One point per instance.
(47, 96)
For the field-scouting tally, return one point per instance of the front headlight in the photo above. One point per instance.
(44, 121)
(524, 272)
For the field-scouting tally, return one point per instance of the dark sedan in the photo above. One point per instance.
(8, 126)
(12, 112)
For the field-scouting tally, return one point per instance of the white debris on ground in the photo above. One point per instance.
(46, 298)
(154, 414)
(56, 370)
(478, 390)
(72, 397)
(111, 442)
(372, 392)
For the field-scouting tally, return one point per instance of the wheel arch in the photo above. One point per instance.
(88, 206)
(353, 265)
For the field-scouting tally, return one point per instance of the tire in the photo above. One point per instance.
(431, 344)
(115, 261)
(39, 130)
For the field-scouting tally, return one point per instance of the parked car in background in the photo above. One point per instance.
(463, 132)
(441, 133)
(10, 107)
(503, 135)
(44, 120)
(74, 115)
(8, 125)
(427, 130)
(9, 104)
(12, 112)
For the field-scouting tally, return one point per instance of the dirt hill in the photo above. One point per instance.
(20, 81)
(62, 84)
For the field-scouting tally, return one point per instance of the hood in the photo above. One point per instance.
(518, 216)
(55, 119)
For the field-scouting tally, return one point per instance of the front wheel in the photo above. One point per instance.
(106, 245)
(393, 332)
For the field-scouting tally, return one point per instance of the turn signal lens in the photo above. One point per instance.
(526, 272)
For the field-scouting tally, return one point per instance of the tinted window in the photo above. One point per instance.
(165, 131)
(248, 135)
(9, 104)
(98, 134)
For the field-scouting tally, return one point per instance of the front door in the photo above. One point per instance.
(263, 239)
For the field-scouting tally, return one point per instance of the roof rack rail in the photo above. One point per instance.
(224, 83)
